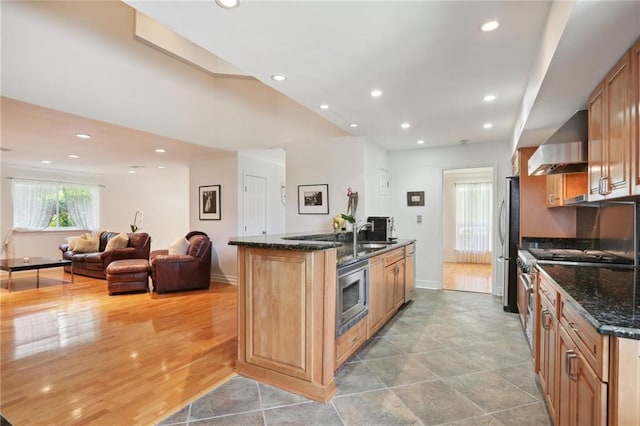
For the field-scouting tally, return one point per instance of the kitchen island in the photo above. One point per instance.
(287, 307)
(587, 345)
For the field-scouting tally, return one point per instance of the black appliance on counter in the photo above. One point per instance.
(509, 235)
(381, 228)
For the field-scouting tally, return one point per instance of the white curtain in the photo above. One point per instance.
(80, 205)
(474, 222)
(34, 203)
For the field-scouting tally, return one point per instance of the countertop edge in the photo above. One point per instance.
(604, 329)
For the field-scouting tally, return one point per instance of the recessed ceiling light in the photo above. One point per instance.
(161, 167)
(405, 125)
(353, 125)
(487, 125)
(45, 162)
(420, 142)
(376, 93)
(278, 77)
(73, 156)
(160, 150)
(324, 106)
(83, 136)
(227, 4)
(489, 98)
(133, 172)
(490, 25)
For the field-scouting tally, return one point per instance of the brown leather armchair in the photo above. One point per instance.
(95, 264)
(177, 272)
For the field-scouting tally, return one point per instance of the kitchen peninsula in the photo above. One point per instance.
(288, 305)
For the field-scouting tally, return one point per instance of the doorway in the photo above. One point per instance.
(467, 203)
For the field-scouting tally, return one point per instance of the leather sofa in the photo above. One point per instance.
(95, 264)
(178, 272)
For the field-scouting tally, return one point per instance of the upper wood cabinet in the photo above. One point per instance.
(562, 187)
(635, 71)
(611, 130)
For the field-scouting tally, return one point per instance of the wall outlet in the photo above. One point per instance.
(419, 218)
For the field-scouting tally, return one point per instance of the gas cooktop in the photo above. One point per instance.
(577, 255)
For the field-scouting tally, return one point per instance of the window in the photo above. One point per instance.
(473, 222)
(39, 205)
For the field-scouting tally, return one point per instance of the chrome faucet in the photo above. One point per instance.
(357, 227)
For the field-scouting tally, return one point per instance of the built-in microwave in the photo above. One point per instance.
(352, 295)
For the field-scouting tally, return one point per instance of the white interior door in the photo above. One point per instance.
(255, 205)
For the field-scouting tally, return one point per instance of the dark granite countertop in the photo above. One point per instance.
(609, 298)
(311, 242)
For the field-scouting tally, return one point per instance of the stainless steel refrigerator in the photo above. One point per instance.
(509, 236)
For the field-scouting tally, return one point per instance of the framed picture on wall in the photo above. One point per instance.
(210, 208)
(415, 198)
(313, 199)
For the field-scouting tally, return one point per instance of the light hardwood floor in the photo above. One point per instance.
(475, 277)
(72, 354)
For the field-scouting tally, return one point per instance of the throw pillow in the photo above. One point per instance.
(179, 246)
(87, 245)
(116, 242)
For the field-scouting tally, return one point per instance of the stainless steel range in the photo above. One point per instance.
(572, 256)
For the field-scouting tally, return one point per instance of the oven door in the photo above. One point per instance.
(352, 295)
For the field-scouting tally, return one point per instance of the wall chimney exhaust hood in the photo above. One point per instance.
(565, 151)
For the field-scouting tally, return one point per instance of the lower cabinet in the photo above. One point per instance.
(286, 319)
(386, 288)
(350, 341)
(582, 396)
(548, 335)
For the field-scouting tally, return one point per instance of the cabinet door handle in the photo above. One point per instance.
(570, 356)
(545, 319)
(573, 326)
(552, 198)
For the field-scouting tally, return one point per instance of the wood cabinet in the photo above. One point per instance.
(350, 341)
(611, 133)
(582, 396)
(561, 187)
(635, 146)
(377, 295)
(409, 272)
(386, 288)
(287, 319)
(624, 383)
(547, 344)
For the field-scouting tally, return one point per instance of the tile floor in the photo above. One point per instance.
(449, 357)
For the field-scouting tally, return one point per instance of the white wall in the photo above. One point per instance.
(421, 170)
(338, 162)
(221, 170)
(165, 203)
(269, 164)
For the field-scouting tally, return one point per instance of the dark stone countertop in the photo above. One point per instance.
(609, 298)
(311, 242)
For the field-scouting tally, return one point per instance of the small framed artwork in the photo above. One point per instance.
(313, 199)
(210, 208)
(415, 198)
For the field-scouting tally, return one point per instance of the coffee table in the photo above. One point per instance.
(31, 263)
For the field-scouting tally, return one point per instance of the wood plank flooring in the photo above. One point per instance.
(474, 277)
(72, 354)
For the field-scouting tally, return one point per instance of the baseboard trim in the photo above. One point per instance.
(429, 285)
(224, 279)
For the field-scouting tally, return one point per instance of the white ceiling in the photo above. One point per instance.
(34, 134)
(430, 60)
(428, 57)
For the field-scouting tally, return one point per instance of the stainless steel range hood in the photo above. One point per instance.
(565, 151)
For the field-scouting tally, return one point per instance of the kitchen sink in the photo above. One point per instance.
(373, 245)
